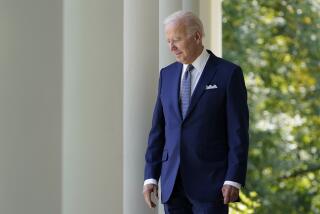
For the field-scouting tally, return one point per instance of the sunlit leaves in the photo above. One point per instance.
(277, 44)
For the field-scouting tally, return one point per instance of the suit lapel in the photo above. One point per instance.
(176, 82)
(206, 76)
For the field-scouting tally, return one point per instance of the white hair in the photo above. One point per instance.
(192, 21)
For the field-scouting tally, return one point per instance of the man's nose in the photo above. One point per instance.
(172, 46)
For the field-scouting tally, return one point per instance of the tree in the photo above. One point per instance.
(276, 42)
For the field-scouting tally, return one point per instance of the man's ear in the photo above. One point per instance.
(197, 36)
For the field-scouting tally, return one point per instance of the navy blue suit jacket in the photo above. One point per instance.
(211, 144)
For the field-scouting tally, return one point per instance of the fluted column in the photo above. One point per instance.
(141, 53)
(92, 107)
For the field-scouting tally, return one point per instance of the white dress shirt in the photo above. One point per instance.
(198, 65)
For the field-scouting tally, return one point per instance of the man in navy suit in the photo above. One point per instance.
(198, 142)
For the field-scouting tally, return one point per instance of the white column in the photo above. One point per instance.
(216, 27)
(211, 16)
(140, 87)
(205, 16)
(191, 5)
(92, 107)
(30, 112)
(166, 7)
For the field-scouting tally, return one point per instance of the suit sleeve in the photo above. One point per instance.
(238, 126)
(153, 156)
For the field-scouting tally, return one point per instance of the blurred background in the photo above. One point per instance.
(277, 44)
(78, 81)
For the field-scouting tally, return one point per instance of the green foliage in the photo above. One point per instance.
(277, 43)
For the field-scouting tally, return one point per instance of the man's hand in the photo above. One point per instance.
(230, 193)
(148, 189)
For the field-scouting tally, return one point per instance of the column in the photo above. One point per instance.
(141, 54)
(191, 5)
(166, 7)
(211, 16)
(93, 107)
(30, 112)
(205, 16)
(216, 27)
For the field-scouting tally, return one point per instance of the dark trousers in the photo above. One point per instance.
(180, 203)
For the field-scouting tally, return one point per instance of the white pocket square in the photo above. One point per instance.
(211, 87)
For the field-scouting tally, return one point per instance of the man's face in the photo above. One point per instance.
(185, 47)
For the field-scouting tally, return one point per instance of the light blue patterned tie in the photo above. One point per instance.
(186, 90)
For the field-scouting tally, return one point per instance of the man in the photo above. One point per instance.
(198, 141)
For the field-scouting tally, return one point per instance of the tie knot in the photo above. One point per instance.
(189, 68)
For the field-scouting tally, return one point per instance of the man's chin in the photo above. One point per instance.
(179, 59)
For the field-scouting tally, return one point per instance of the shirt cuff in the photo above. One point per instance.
(150, 181)
(232, 183)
